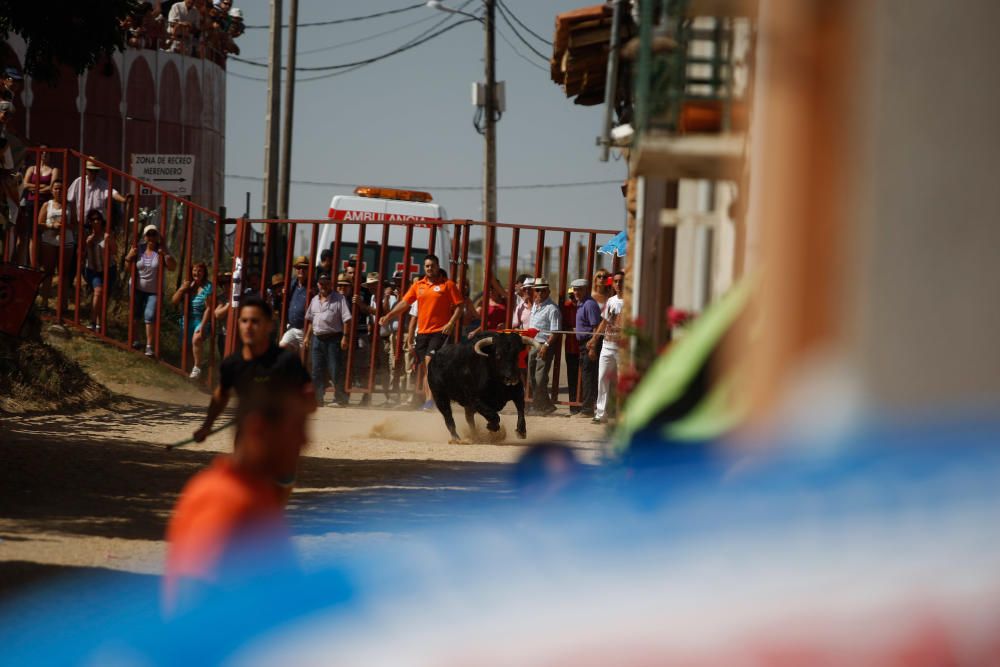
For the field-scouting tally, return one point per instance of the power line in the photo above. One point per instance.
(340, 45)
(503, 7)
(348, 20)
(366, 61)
(415, 41)
(519, 54)
(527, 186)
(521, 37)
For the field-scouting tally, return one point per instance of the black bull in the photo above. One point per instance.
(481, 375)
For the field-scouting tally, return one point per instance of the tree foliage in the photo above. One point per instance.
(75, 33)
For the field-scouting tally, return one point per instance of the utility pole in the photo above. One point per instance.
(273, 115)
(490, 167)
(286, 128)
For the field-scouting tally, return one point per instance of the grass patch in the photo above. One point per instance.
(112, 366)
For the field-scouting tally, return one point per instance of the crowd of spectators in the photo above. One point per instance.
(192, 27)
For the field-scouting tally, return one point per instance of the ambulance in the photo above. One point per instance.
(375, 205)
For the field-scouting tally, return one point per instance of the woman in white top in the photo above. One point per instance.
(36, 185)
(148, 259)
(52, 222)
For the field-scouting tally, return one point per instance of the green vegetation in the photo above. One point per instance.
(65, 32)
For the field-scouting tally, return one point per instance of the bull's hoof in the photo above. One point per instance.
(458, 441)
(493, 426)
(522, 434)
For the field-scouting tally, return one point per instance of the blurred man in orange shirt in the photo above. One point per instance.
(229, 524)
(439, 308)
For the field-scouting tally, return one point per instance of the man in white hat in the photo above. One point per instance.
(525, 300)
(546, 319)
(91, 191)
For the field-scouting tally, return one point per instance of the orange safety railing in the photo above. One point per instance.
(177, 218)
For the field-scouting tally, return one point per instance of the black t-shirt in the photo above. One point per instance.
(277, 368)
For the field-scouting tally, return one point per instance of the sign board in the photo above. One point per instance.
(169, 172)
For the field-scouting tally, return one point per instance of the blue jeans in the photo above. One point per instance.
(326, 365)
(146, 304)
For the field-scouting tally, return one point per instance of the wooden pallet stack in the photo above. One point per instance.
(580, 52)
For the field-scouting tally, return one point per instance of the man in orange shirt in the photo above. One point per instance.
(229, 524)
(439, 307)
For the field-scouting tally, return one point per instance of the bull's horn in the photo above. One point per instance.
(478, 347)
(531, 341)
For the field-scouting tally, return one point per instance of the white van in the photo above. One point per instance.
(375, 205)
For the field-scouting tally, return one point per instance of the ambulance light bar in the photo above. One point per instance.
(392, 193)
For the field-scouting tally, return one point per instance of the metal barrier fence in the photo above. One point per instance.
(65, 244)
(419, 238)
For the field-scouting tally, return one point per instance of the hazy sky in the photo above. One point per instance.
(407, 120)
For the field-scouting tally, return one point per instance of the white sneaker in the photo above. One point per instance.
(149, 350)
(195, 373)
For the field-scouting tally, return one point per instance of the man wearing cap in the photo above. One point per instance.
(276, 295)
(525, 299)
(588, 316)
(10, 85)
(327, 331)
(572, 347)
(293, 337)
(545, 318)
(93, 190)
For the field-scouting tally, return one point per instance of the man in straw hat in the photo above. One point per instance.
(292, 338)
(546, 319)
(93, 191)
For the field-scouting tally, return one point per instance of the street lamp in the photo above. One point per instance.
(488, 102)
(437, 4)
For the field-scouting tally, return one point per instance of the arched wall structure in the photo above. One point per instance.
(139, 101)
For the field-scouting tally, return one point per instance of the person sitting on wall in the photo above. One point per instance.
(183, 23)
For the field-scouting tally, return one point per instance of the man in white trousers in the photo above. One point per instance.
(607, 366)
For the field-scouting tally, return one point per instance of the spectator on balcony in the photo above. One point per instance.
(11, 84)
(92, 190)
(144, 27)
(236, 25)
(51, 222)
(219, 39)
(183, 24)
(193, 323)
(36, 186)
(148, 261)
(98, 242)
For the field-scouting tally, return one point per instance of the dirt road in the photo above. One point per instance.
(93, 491)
